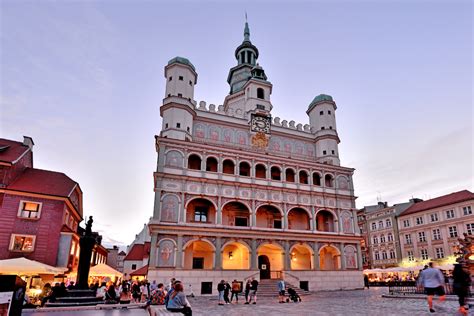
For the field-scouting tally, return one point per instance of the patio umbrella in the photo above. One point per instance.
(447, 266)
(23, 266)
(105, 271)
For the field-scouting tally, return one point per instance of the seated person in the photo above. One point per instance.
(158, 295)
(293, 295)
(178, 303)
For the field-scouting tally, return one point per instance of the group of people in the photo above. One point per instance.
(224, 288)
(433, 281)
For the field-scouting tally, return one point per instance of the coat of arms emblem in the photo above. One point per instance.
(260, 140)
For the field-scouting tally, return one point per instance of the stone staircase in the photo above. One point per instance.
(77, 298)
(269, 288)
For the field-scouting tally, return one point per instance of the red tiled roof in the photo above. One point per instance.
(138, 252)
(444, 200)
(43, 182)
(13, 150)
(139, 272)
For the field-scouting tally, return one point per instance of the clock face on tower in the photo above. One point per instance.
(260, 123)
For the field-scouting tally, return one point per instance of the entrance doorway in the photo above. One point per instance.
(264, 267)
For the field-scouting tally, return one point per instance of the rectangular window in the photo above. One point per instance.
(180, 95)
(434, 217)
(421, 237)
(277, 224)
(198, 263)
(419, 220)
(408, 239)
(411, 257)
(22, 243)
(200, 214)
(439, 253)
(241, 221)
(166, 125)
(377, 256)
(181, 78)
(470, 229)
(450, 214)
(321, 112)
(329, 112)
(171, 78)
(392, 254)
(375, 240)
(29, 210)
(424, 254)
(453, 231)
(333, 152)
(406, 223)
(190, 83)
(134, 267)
(178, 125)
(380, 225)
(467, 210)
(260, 107)
(388, 223)
(384, 255)
(374, 226)
(324, 152)
(436, 234)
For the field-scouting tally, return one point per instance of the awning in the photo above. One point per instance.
(23, 266)
(143, 271)
(105, 271)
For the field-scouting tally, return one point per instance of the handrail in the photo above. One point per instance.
(252, 275)
(292, 276)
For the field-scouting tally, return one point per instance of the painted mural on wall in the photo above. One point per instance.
(241, 138)
(342, 183)
(174, 159)
(346, 222)
(166, 253)
(350, 257)
(170, 208)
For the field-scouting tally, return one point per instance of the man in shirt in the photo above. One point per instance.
(433, 281)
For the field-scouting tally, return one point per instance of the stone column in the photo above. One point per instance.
(218, 255)
(253, 255)
(285, 217)
(339, 222)
(157, 202)
(316, 256)
(355, 225)
(343, 261)
(253, 213)
(153, 250)
(286, 256)
(311, 221)
(219, 206)
(179, 252)
(360, 265)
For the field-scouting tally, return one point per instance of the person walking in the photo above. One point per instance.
(220, 290)
(461, 284)
(366, 281)
(433, 281)
(235, 291)
(281, 291)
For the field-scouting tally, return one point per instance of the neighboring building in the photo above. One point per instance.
(430, 229)
(40, 209)
(99, 252)
(138, 253)
(136, 258)
(115, 258)
(239, 193)
(381, 233)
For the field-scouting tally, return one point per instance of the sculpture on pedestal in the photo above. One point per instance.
(87, 243)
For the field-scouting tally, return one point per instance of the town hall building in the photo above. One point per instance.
(240, 194)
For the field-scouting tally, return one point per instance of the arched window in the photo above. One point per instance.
(316, 179)
(260, 171)
(377, 255)
(382, 239)
(228, 167)
(375, 240)
(260, 93)
(389, 237)
(303, 177)
(275, 173)
(328, 181)
(290, 175)
(194, 162)
(384, 255)
(211, 164)
(244, 169)
(380, 224)
(392, 254)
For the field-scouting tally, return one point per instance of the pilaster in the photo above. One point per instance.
(218, 256)
(343, 259)
(316, 256)
(286, 256)
(359, 257)
(153, 251)
(179, 252)
(253, 255)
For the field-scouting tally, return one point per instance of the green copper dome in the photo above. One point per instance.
(181, 60)
(322, 97)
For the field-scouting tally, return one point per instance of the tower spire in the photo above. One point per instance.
(246, 30)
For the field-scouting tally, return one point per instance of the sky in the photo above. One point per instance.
(85, 79)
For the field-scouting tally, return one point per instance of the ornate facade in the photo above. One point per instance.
(240, 194)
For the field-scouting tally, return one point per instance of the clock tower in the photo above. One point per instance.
(249, 88)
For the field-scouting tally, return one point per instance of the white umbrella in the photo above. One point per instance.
(447, 266)
(23, 266)
(104, 270)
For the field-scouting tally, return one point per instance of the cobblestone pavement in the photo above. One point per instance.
(358, 302)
